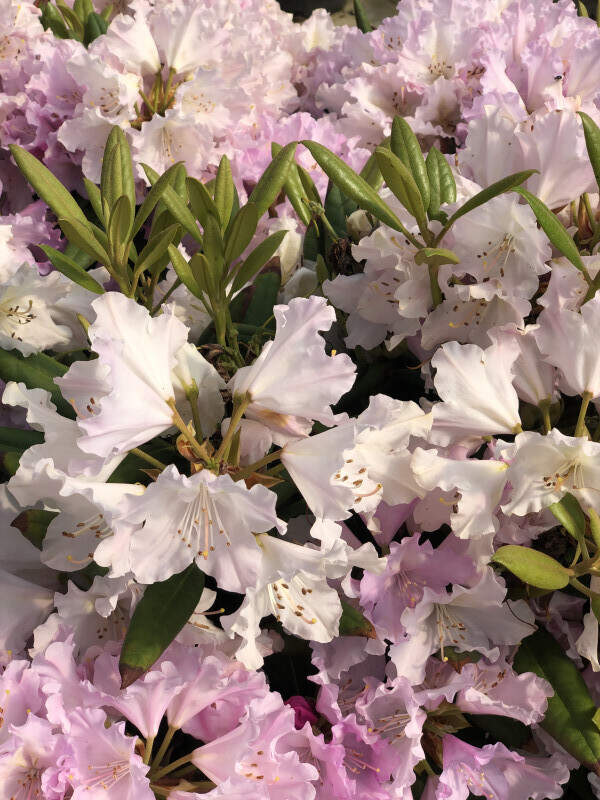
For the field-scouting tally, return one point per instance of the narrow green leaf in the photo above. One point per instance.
(79, 256)
(532, 567)
(241, 231)
(72, 270)
(213, 250)
(553, 228)
(594, 526)
(294, 189)
(592, 141)
(436, 256)
(153, 197)
(256, 261)
(17, 439)
(95, 26)
(442, 186)
(203, 206)
(264, 296)
(201, 270)
(338, 208)
(401, 182)
(371, 173)
(106, 12)
(93, 193)
(568, 512)
(405, 145)
(119, 224)
(176, 206)
(37, 371)
(354, 623)
(155, 248)
(117, 171)
(581, 9)
(571, 710)
(158, 618)
(71, 18)
(224, 190)
(51, 19)
(485, 195)
(353, 185)
(82, 237)
(51, 190)
(309, 186)
(362, 20)
(272, 180)
(184, 272)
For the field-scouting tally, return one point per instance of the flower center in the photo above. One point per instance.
(201, 523)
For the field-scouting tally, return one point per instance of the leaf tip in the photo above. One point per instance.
(129, 674)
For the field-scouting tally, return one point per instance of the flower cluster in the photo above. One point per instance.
(300, 402)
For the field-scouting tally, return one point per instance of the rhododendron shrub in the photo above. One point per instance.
(300, 402)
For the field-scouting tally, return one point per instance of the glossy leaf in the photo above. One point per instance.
(119, 224)
(554, 229)
(82, 237)
(51, 190)
(272, 180)
(294, 189)
(72, 270)
(354, 623)
(569, 718)
(309, 186)
(155, 248)
(175, 205)
(240, 233)
(37, 371)
(117, 172)
(568, 512)
(183, 270)
(224, 191)
(352, 185)
(201, 202)
(51, 19)
(95, 26)
(371, 173)
(485, 195)
(532, 567)
(213, 250)
(338, 208)
(256, 260)
(153, 197)
(592, 142)
(442, 186)
(401, 182)
(93, 193)
(405, 146)
(158, 618)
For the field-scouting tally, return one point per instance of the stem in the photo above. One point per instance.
(262, 462)
(164, 746)
(585, 401)
(167, 90)
(170, 767)
(180, 424)
(148, 749)
(544, 407)
(239, 408)
(436, 292)
(589, 212)
(148, 458)
(581, 587)
(191, 392)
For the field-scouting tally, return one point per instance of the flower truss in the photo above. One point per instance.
(300, 399)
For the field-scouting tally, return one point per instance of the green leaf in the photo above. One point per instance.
(176, 205)
(213, 251)
(338, 208)
(405, 145)
(240, 232)
(294, 188)
(72, 270)
(264, 297)
(362, 20)
(568, 512)
(153, 197)
(592, 141)
(398, 178)
(51, 19)
(594, 526)
(184, 272)
(155, 248)
(256, 260)
(82, 237)
(371, 173)
(95, 26)
(436, 256)
(79, 256)
(93, 193)
(52, 192)
(17, 439)
(532, 567)
(117, 171)
(106, 12)
(354, 623)
(71, 18)
(119, 225)
(37, 371)
(569, 718)
(201, 202)
(485, 195)
(352, 185)
(308, 184)
(554, 229)
(442, 186)
(158, 618)
(272, 180)
(224, 191)
(33, 524)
